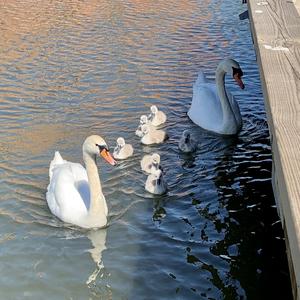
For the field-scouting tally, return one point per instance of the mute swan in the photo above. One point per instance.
(143, 120)
(155, 183)
(150, 162)
(152, 135)
(213, 108)
(74, 193)
(122, 150)
(157, 117)
(187, 143)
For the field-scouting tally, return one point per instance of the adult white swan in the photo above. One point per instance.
(74, 193)
(213, 108)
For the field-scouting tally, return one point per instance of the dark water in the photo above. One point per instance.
(69, 69)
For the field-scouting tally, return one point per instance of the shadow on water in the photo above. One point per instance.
(253, 236)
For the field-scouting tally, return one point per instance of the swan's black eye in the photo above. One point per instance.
(239, 72)
(102, 147)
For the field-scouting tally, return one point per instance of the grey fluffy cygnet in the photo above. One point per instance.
(122, 150)
(187, 143)
(156, 117)
(155, 183)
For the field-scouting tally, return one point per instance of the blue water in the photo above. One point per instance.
(71, 68)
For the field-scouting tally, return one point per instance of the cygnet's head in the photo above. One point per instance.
(154, 109)
(145, 129)
(186, 136)
(95, 145)
(155, 158)
(121, 142)
(143, 119)
(232, 67)
(157, 173)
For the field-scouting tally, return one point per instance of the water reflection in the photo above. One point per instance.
(158, 211)
(98, 240)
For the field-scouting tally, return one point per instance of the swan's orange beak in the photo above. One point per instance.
(237, 77)
(107, 156)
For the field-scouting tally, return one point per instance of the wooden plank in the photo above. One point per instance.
(275, 26)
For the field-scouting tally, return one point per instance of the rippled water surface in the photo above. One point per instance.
(71, 68)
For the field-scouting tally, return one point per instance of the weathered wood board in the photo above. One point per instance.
(275, 27)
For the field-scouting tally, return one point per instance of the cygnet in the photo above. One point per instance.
(155, 183)
(143, 120)
(122, 150)
(187, 143)
(157, 117)
(150, 162)
(152, 135)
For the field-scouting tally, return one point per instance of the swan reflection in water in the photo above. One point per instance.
(98, 239)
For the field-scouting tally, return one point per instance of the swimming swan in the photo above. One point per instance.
(74, 193)
(213, 107)
(155, 183)
(122, 150)
(152, 135)
(150, 162)
(187, 143)
(157, 117)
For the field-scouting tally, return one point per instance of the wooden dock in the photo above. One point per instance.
(275, 27)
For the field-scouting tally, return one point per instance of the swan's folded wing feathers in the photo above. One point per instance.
(81, 183)
(63, 197)
(57, 160)
(206, 108)
(201, 78)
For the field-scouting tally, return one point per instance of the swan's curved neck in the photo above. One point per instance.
(220, 82)
(97, 200)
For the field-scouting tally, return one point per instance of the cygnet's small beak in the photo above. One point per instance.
(107, 156)
(238, 80)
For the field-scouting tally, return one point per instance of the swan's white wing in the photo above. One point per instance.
(57, 160)
(201, 78)
(68, 192)
(206, 110)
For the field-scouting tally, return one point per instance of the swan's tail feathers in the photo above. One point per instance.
(200, 79)
(57, 160)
